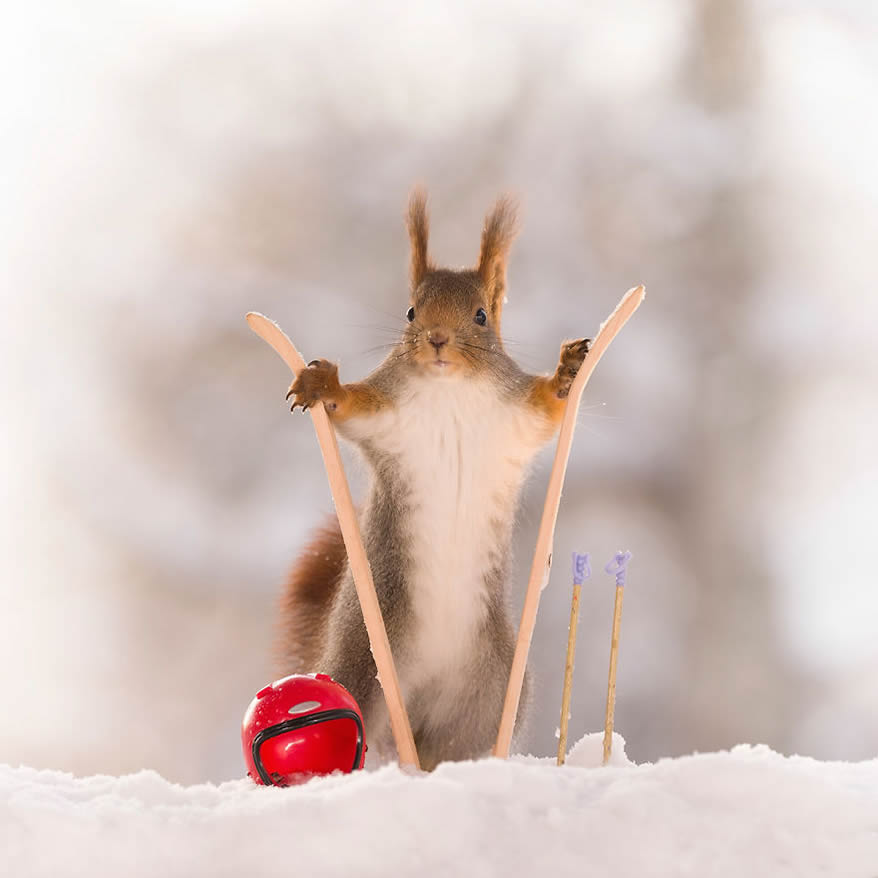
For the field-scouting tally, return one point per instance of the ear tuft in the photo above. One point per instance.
(419, 229)
(501, 226)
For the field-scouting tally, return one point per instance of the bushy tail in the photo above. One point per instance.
(307, 599)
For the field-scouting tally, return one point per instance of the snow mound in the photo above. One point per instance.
(745, 812)
(589, 751)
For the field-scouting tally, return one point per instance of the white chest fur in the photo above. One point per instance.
(462, 453)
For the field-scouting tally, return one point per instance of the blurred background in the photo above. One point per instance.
(168, 167)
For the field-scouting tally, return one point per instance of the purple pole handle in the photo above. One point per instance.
(617, 567)
(581, 570)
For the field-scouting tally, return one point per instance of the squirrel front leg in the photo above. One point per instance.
(319, 382)
(549, 394)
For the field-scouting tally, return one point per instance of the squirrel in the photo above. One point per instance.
(448, 425)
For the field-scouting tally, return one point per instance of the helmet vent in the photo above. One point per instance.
(304, 706)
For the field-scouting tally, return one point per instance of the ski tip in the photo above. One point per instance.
(639, 292)
(254, 319)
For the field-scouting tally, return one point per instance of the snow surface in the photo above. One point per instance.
(749, 812)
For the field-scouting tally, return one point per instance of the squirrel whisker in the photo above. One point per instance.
(380, 347)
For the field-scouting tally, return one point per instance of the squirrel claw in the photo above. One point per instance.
(315, 383)
(573, 354)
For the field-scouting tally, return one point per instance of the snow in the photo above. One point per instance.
(747, 812)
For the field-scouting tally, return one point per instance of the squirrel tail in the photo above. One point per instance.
(307, 598)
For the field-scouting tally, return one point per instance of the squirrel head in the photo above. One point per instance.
(454, 316)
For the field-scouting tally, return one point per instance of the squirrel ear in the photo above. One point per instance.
(419, 229)
(500, 228)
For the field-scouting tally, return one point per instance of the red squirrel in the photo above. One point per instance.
(448, 425)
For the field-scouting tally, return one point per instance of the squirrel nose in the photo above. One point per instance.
(437, 338)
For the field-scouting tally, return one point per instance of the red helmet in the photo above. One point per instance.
(301, 726)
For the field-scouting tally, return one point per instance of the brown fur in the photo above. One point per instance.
(549, 394)
(419, 229)
(319, 381)
(501, 226)
(307, 597)
(544, 397)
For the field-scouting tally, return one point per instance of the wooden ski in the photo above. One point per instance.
(542, 559)
(270, 332)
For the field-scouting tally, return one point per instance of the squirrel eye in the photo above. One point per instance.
(410, 314)
(481, 317)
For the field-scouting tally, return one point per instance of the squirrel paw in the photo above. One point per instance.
(318, 382)
(573, 355)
